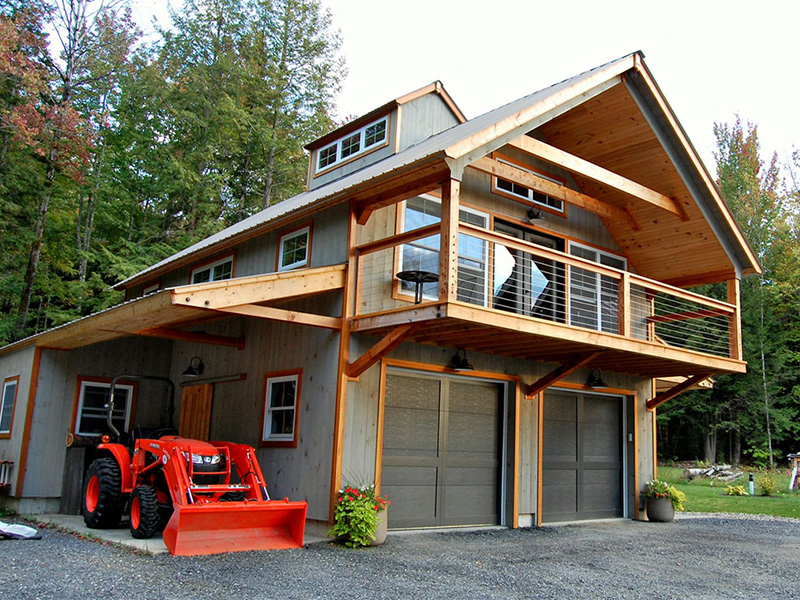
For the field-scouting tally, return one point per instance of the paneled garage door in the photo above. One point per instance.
(582, 460)
(442, 451)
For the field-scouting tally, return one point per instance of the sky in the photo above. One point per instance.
(712, 59)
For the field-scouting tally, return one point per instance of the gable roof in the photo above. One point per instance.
(554, 110)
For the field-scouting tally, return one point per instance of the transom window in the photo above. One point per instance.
(216, 271)
(7, 403)
(528, 194)
(353, 144)
(92, 400)
(293, 249)
(281, 402)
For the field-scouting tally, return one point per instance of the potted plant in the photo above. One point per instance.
(663, 500)
(360, 516)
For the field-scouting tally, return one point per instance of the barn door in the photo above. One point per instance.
(195, 420)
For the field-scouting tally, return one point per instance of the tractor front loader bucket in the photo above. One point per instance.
(216, 527)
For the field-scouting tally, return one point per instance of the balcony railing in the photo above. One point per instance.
(506, 274)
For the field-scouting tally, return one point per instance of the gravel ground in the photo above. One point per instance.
(697, 556)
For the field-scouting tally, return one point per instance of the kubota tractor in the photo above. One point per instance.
(207, 497)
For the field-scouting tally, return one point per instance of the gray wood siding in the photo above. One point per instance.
(422, 118)
(19, 363)
(301, 473)
(360, 448)
(55, 395)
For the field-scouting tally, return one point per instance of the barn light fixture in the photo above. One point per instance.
(595, 381)
(194, 369)
(535, 215)
(459, 361)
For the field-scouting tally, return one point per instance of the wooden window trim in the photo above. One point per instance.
(211, 263)
(287, 234)
(8, 380)
(298, 374)
(505, 194)
(317, 171)
(76, 402)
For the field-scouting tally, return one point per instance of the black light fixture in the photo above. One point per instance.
(459, 361)
(194, 369)
(535, 215)
(595, 381)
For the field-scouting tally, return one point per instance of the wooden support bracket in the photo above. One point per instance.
(675, 390)
(386, 344)
(558, 374)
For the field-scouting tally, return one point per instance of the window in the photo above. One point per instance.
(515, 190)
(423, 254)
(593, 298)
(281, 409)
(7, 404)
(150, 289)
(293, 249)
(367, 138)
(93, 396)
(216, 271)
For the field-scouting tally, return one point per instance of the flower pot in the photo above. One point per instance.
(660, 510)
(380, 530)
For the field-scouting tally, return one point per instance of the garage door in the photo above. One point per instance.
(442, 451)
(582, 474)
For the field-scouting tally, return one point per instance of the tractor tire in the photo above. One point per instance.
(144, 512)
(103, 500)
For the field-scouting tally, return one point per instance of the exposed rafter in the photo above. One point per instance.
(193, 336)
(579, 166)
(554, 190)
(288, 316)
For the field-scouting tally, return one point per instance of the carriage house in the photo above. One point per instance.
(481, 316)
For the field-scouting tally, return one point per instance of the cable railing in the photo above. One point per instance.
(503, 273)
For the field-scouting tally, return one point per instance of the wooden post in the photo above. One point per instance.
(735, 321)
(448, 247)
(624, 312)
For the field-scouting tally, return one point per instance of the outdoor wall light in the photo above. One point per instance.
(195, 368)
(535, 215)
(459, 361)
(595, 381)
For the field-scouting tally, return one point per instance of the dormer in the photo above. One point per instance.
(382, 132)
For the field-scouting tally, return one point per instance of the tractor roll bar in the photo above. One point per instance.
(110, 405)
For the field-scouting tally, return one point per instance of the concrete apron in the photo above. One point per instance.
(122, 535)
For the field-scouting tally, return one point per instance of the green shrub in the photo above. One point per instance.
(356, 515)
(736, 490)
(767, 485)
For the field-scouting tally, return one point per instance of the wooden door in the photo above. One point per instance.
(195, 420)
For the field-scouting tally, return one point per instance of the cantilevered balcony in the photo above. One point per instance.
(519, 299)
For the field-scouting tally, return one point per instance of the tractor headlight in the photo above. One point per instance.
(199, 459)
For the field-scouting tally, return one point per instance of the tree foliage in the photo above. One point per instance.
(115, 153)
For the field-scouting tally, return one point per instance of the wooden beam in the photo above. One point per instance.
(558, 374)
(281, 314)
(193, 336)
(448, 253)
(554, 190)
(579, 166)
(397, 194)
(735, 321)
(260, 288)
(385, 345)
(674, 391)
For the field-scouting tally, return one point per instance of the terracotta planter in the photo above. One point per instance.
(660, 510)
(380, 530)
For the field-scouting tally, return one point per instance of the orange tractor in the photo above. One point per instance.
(207, 497)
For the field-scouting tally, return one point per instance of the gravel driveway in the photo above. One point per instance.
(721, 556)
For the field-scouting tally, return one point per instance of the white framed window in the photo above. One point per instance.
(7, 404)
(367, 138)
(216, 271)
(150, 289)
(281, 408)
(423, 254)
(594, 298)
(293, 249)
(520, 191)
(93, 397)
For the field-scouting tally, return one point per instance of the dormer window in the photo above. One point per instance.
(216, 271)
(354, 144)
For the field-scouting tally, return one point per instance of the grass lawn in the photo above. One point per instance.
(707, 495)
